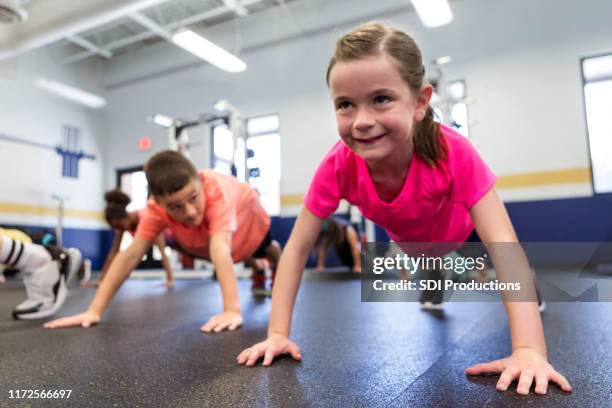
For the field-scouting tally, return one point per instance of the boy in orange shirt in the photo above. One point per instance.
(212, 216)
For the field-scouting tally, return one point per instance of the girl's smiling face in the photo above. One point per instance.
(375, 109)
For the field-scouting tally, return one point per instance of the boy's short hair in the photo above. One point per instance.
(168, 172)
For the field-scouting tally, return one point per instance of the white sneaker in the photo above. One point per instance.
(432, 306)
(46, 289)
(70, 261)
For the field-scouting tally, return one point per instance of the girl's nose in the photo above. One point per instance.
(364, 120)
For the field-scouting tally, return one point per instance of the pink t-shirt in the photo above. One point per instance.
(230, 206)
(433, 205)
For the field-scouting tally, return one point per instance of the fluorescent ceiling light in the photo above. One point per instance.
(433, 13)
(69, 92)
(443, 60)
(221, 105)
(200, 46)
(163, 120)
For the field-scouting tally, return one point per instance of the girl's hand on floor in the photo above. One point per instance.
(228, 320)
(525, 365)
(275, 345)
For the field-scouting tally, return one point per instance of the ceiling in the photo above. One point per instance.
(122, 29)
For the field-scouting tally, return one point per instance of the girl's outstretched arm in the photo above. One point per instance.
(286, 285)
(528, 362)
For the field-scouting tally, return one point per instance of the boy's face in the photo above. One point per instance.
(186, 205)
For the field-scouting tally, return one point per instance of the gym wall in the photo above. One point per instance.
(31, 174)
(525, 79)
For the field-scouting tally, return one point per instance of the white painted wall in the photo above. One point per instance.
(520, 59)
(31, 175)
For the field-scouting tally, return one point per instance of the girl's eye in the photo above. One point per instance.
(381, 99)
(343, 105)
(193, 199)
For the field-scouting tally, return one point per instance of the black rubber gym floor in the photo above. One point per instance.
(149, 352)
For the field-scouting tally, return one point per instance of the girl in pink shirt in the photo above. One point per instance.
(420, 181)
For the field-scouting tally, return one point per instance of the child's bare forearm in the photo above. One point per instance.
(286, 285)
(160, 242)
(227, 280)
(117, 273)
(526, 326)
(511, 265)
(321, 256)
(356, 257)
(166, 264)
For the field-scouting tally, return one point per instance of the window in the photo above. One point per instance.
(223, 149)
(263, 160)
(597, 78)
(457, 95)
(451, 108)
(135, 185)
(133, 182)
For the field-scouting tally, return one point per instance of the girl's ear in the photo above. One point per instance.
(423, 97)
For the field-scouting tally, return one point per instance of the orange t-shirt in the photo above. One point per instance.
(230, 206)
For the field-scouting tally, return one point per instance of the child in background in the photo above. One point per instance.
(122, 221)
(419, 180)
(211, 215)
(46, 272)
(345, 240)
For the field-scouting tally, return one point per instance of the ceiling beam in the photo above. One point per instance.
(88, 45)
(149, 34)
(236, 7)
(52, 21)
(151, 25)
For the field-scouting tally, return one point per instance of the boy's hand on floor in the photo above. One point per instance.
(273, 346)
(169, 284)
(86, 319)
(525, 365)
(228, 320)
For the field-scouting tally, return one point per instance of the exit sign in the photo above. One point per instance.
(144, 143)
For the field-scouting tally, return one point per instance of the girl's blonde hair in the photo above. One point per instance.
(372, 39)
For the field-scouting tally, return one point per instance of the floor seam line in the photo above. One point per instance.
(433, 363)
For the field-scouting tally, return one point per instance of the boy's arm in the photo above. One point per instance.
(119, 270)
(528, 362)
(286, 285)
(221, 257)
(160, 242)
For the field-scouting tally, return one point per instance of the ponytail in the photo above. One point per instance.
(428, 143)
